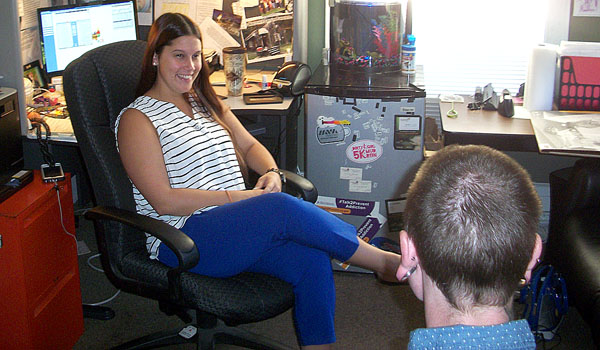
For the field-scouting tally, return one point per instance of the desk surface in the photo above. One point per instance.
(237, 104)
(63, 131)
(486, 128)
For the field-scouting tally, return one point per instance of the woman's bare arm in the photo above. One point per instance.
(142, 157)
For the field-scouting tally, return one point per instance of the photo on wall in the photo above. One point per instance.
(230, 22)
(33, 71)
(269, 37)
(269, 30)
(144, 12)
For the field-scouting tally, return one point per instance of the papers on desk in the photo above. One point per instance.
(521, 113)
(215, 37)
(567, 133)
(451, 98)
(217, 78)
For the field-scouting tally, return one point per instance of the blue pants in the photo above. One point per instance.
(282, 236)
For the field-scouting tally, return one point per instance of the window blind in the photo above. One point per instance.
(468, 43)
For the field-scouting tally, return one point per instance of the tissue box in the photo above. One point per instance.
(579, 85)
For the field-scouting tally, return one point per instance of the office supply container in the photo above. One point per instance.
(579, 76)
(579, 86)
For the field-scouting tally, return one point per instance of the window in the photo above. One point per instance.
(468, 43)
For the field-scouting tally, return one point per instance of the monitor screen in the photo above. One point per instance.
(67, 32)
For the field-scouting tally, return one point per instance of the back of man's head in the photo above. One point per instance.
(472, 213)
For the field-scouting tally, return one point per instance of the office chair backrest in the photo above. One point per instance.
(97, 87)
(584, 185)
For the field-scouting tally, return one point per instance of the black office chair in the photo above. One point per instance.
(97, 86)
(574, 236)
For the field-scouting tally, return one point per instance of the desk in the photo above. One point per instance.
(275, 125)
(486, 128)
(510, 135)
(257, 118)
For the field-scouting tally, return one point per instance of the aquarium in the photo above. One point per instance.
(366, 35)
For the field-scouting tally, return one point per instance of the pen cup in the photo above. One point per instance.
(234, 66)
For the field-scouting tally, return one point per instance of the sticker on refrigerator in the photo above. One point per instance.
(325, 121)
(407, 132)
(329, 100)
(330, 130)
(361, 186)
(348, 206)
(347, 173)
(368, 229)
(364, 151)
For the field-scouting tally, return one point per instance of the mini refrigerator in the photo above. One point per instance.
(363, 145)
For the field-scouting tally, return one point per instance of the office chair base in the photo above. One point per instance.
(206, 339)
(155, 340)
(237, 336)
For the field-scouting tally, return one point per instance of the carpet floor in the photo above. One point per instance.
(369, 315)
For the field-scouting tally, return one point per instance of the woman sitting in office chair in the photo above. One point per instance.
(185, 152)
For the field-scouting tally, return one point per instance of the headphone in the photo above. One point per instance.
(546, 301)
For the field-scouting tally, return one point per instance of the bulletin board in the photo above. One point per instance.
(263, 27)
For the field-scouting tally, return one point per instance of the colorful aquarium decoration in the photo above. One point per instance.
(366, 35)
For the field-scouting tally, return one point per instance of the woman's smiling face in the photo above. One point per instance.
(179, 64)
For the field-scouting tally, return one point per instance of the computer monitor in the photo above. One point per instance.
(67, 32)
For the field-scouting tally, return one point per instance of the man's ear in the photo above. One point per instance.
(409, 254)
(537, 252)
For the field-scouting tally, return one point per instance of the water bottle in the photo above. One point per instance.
(408, 56)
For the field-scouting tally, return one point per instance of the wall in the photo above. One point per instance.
(584, 28)
(11, 67)
(316, 32)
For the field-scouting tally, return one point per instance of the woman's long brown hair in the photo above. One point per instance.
(166, 28)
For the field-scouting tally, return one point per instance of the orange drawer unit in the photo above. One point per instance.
(40, 295)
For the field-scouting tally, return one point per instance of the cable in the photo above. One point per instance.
(92, 266)
(61, 214)
(100, 270)
(90, 258)
(104, 301)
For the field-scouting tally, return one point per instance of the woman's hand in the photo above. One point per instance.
(269, 182)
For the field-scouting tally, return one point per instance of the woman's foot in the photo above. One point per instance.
(383, 263)
(387, 279)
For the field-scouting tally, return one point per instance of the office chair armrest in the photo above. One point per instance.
(297, 185)
(182, 245)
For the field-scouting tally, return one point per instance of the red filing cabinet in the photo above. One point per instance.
(40, 296)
